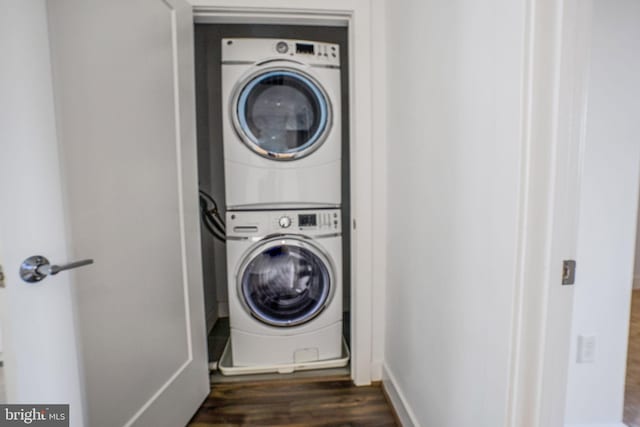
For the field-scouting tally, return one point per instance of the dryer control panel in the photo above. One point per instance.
(311, 222)
(241, 50)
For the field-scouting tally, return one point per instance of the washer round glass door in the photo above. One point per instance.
(285, 282)
(282, 114)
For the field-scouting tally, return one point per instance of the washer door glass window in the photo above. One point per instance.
(282, 115)
(285, 285)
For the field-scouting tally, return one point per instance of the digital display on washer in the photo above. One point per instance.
(305, 48)
(307, 220)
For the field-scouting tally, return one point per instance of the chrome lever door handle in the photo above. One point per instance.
(36, 268)
(55, 269)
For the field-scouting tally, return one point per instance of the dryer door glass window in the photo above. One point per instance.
(282, 115)
(285, 285)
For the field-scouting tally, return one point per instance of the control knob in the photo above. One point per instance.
(284, 222)
(282, 47)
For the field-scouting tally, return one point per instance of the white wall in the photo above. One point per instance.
(454, 72)
(606, 237)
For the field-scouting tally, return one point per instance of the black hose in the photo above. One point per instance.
(213, 231)
(207, 196)
(214, 221)
(210, 217)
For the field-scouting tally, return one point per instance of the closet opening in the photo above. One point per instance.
(306, 107)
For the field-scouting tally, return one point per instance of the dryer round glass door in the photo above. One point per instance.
(285, 283)
(282, 114)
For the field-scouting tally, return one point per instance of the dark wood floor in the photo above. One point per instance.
(331, 401)
(632, 386)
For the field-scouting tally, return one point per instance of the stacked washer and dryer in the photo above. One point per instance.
(282, 158)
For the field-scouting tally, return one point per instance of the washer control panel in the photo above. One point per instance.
(310, 220)
(316, 220)
(261, 223)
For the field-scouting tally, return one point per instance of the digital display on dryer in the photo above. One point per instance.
(307, 220)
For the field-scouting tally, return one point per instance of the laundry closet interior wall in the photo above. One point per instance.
(208, 39)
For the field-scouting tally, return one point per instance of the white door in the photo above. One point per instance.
(113, 178)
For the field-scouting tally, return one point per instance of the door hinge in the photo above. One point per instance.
(1, 277)
(568, 272)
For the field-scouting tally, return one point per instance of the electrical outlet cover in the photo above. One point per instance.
(586, 349)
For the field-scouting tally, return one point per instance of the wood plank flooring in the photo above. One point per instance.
(330, 401)
(632, 386)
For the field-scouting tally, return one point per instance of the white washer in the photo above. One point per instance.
(281, 123)
(285, 286)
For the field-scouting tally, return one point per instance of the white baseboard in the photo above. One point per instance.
(398, 401)
(636, 282)
(376, 371)
(597, 425)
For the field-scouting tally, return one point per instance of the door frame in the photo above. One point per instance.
(368, 272)
(554, 107)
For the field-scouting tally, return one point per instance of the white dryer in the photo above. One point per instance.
(285, 286)
(281, 123)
